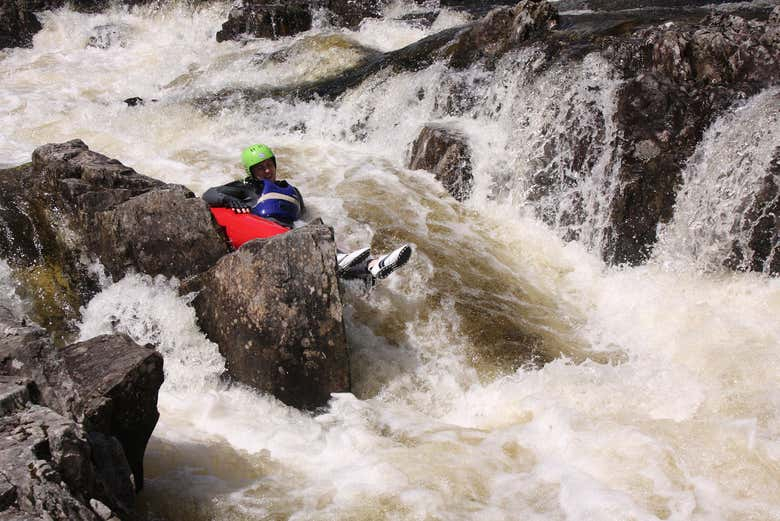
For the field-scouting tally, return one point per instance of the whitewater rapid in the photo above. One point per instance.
(661, 396)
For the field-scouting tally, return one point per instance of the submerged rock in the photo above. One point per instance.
(445, 153)
(274, 308)
(106, 36)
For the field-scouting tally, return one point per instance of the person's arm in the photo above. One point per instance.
(235, 195)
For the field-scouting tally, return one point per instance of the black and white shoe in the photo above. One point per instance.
(346, 261)
(387, 264)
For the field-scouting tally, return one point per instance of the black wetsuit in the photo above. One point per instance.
(247, 192)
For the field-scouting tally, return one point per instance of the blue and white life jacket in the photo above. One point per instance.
(278, 201)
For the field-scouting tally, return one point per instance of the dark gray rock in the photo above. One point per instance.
(270, 19)
(685, 76)
(166, 231)
(115, 387)
(15, 394)
(499, 31)
(265, 19)
(444, 152)
(109, 384)
(71, 203)
(45, 466)
(349, 13)
(274, 308)
(18, 23)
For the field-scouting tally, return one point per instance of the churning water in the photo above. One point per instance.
(506, 374)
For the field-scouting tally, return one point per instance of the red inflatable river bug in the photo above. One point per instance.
(243, 227)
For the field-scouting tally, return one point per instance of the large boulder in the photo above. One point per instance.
(109, 384)
(72, 204)
(274, 308)
(444, 152)
(688, 75)
(52, 468)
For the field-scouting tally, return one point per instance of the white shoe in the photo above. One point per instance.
(387, 264)
(351, 259)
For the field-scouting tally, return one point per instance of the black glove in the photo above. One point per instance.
(238, 206)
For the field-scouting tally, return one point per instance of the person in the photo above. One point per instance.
(262, 194)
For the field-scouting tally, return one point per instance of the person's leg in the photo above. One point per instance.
(347, 262)
(384, 265)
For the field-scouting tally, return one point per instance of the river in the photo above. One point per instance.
(505, 373)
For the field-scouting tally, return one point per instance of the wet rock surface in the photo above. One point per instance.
(274, 308)
(444, 152)
(74, 423)
(264, 19)
(269, 19)
(681, 78)
(759, 222)
(72, 204)
(18, 23)
(108, 384)
(106, 36)
(499, 31)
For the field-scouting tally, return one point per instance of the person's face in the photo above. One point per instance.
(265, 171)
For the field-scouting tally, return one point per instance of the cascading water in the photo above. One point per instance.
(727, 167)
(659, 397)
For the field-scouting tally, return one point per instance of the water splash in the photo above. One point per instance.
(723, 173)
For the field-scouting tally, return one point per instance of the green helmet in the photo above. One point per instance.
(256, 154)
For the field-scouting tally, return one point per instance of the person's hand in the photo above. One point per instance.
(239, 206)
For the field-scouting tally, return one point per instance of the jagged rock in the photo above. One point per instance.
(109, 384)
(166, 231)
(446, 153)
(71, 204)
(759, 220)
(269, 19)
(499, 31)
(46, 466)
(689, 75)
(106, 36)
(274, 308)
(116, 386)
(264, 19)
(15, 393)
